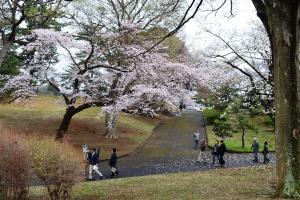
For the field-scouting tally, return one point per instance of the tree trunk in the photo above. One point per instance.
(110, 125)
(59, 192)
(284, 25)
(4, 51)
(64, 125)
(243, 138)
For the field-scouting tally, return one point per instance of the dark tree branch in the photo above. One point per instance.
(183, 21)
(243, 59)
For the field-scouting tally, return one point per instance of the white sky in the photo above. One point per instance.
(195, 36)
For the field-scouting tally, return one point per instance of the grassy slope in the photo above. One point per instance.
(265, 133)
(43, 115)
(241, 183)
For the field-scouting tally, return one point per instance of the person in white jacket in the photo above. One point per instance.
(196, 138)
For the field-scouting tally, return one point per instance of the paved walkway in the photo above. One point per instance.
(170, 149)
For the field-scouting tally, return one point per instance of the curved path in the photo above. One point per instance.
(170, 149)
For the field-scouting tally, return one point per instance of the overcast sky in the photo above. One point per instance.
(194, 35)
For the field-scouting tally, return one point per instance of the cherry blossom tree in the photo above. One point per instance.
(127, 45)
(109, 75)
(79, 83)
(154, 83)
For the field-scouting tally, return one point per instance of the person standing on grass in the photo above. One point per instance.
(255, 148)
(94, 162)
(215, 152)
(265, 153)
(222, 151)
(196, 138)
(202, 156)
(113, 163)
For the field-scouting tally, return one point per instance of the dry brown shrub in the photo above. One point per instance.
(15, 166)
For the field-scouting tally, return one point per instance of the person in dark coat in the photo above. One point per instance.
(255, 148)
(113, 163)
(94, 162)
(215, 152)
(222, 150)
(265, 153)
(180, 106)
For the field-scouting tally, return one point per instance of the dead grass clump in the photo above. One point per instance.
(56, 165)
(15, 166)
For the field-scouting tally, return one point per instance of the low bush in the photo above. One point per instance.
(210, 115)
(222, 128)
(255, 112)
(57, 167)
(15, 166)
(268, 122)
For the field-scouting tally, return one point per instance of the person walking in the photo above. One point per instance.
(85, 151)
(215, 152)
(94, 162)
(196, 138)
(202, 156)
(222, 151)
(88, 160)
(265, 153)
(113, 163)
(181, 106)
(255, 148)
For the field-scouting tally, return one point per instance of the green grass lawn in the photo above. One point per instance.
(234, 143)
(240, 183)
(43, 115)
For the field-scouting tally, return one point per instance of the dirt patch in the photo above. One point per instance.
(81, 131)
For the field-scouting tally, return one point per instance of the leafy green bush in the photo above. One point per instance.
(210, 115)
(268, 122)
(254, 112)
(222, 128)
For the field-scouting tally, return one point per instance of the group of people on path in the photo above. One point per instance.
(219, 150)
(92, 158)
(92, 155)
(265, 152)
